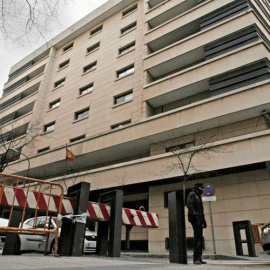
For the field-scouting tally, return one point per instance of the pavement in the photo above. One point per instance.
(130, 262)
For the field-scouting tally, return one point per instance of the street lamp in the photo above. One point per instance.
(18, 152)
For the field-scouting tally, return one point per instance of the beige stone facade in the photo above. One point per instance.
(133, 79)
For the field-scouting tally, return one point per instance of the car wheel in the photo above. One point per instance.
(266, 247)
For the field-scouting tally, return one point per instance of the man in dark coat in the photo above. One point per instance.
(197, 219)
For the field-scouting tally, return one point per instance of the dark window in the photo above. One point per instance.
(68, 47)
(127, 48)
(43, 149)
(90, 67)
(86, 89)
(54, 104)
(121, 125)
(64, 64)
(59, 83)
(49, 127)
(96, 30)
(123, 98)
(129, 10)
(93, 48)
(82, 114)
(77, 138)
(180, 146)
(128, 28)
(124, 72)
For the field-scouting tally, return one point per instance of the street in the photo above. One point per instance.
(39, 261)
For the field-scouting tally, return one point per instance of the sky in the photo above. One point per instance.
(11, 53)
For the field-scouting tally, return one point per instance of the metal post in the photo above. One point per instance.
(177, 228)
(127, 242)
(237, 227)
(12, 244)
(212, 227)
(115, 199)
(102, 238)
(72, 234)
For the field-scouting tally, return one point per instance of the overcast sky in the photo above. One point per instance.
(10, 54)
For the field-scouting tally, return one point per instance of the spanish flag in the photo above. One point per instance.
(70, 155)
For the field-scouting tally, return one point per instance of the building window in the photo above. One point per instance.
(64, 64)
(126, 71)
(121, 125)
(82, 114)
(128, 28)
(49, 127)
(180, 147)
(77, 138)
(127, 48)
(54, 104)
(129, 10)
(68, 47)
(86, 89)
(96, 30)
(123, 98)
(90, 67)
(43, 149)
(93, 48)
(59, 83)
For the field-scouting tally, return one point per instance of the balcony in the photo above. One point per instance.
(167, 10)
(197, 19)
(20, 97)
(192, 53)
(193, 84)
(201, 39)
(30, 66)
(13, 134)
(17, 114)
(22, 81)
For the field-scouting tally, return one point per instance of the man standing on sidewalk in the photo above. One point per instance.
(197, 219)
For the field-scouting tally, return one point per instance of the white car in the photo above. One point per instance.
(27, 243)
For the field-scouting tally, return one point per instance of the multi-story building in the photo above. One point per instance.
(134, 81)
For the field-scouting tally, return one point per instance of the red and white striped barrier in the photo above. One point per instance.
(95, 211)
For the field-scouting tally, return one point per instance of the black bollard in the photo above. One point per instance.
(177, 228)
(71, 240)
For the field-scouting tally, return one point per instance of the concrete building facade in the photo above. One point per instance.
(135, 83)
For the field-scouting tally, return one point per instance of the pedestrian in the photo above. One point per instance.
(197, 219)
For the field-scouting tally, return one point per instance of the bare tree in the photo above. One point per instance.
(12, 141)
(186, 148)
(23, 20)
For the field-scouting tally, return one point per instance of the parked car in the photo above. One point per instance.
(265, 237)
(31, 242)
(3, 223)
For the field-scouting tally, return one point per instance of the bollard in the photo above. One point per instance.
(71, 240)
(243, 225)
(177, 228)
(12, 243)
(113, 245)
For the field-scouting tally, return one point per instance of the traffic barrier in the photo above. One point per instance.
(95, 211)
(13, 196)
(30, 194)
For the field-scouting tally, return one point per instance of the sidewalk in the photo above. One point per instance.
(39, 261)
